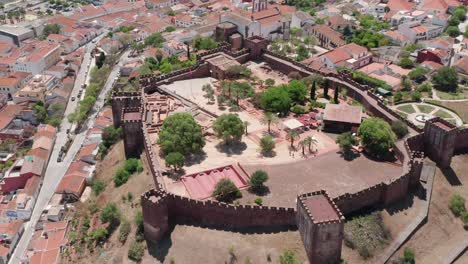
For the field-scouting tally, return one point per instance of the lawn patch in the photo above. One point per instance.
(425, 108)
(409, 109)
(442, 114)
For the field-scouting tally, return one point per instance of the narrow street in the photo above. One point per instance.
(56, 170)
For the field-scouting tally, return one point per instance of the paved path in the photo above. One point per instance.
(56, 170)
(418, 221)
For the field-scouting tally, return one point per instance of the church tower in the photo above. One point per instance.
(259, 5)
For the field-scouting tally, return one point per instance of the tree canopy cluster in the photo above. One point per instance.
(181, 133)
(446, 79)
(279, 99)
(155, 40)
(201, 43)
(165, 65)
(376, 136)
(229, 128)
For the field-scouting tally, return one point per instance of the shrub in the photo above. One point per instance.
(267, 144)
(226, 191)
(457, 204)
(121, 177)
(258, 201)
(257, 180)
(98, 186)
(136, 251)
(99, 235)
(133, 165)
(464, 217)
(288, 257)
(315, 104)
(110, 214)
(124, 231)
(298, 110)
(400, 128)
(416, 96)
(408, 256)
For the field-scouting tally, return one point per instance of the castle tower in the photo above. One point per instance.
(259, 5)
(439, 141)
(321, 225)
(132, 132)
(155, 215)
(121, 100)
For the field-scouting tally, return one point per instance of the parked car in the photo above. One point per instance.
(73, 98)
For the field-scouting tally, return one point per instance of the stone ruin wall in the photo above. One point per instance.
(160, 207)
(462, 140)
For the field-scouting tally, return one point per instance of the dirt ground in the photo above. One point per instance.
(328, 171)
(443, 231)
(114, 251)
(191, 244)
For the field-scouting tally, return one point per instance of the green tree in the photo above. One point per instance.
(400, 128)
(418, 74)
(297, 91)
(313, 91)
(335, 94)
(457, 204)
(406, 63)
(99, 235)
(181, 133)
(405, 83)
(292, 135)
(325, 88)
(376, 136)
(267, 144)
(155, 40)
(229, 127)
(288, 257)
(201, 43)
(398, 96)
(110, 136)
(257, 180)
(110, 214)
(302, 53)
(268, 119)
(416, 96)
(453, 31)
(241, 90)
(175, 159)
(276, 100)
(226, 191)
(269, 82)
(50, 29)
(346, 141)
(446, 79)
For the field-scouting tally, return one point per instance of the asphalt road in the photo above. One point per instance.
(55, 170)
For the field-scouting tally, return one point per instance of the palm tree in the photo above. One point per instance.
(310, 141)
(303, 143)
(246, 124)
(268, 119)
(292, 136)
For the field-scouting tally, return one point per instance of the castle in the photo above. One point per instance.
(318, 217)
